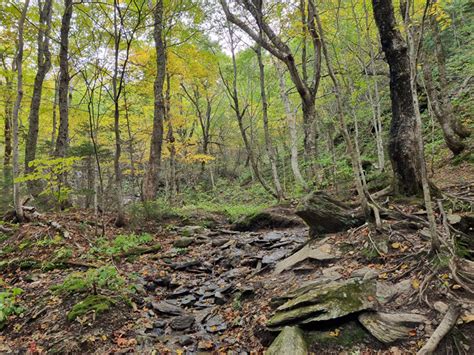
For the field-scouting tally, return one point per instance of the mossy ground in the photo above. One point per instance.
(92, 303)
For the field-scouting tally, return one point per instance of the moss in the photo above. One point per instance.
(347, 335)
(324, 302)
(94, 303)
(29, 264)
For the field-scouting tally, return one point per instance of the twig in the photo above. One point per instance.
(448, 322)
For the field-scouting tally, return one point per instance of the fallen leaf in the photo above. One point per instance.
(335, 333)
(468, 318)
(396, 245)
(415, 284)
(412, 333)
(456, 287)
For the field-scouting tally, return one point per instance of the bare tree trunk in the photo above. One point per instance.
(16, 110)
(44, 64)
(55, 117)
(353, 152)
(239, 114)
(291, 120)
(453, 141)
(152, 177)
(403, 143)
(268, 140)
(456, 125)
(64, 79)
(8, 124)
(413, 50)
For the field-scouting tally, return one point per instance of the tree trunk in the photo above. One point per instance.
(44, 64)
(16, 110)
(120, 220)
(55, 117)
(152, 177)
(403, 143)
(291, 120)
(452, 140)
(8, 123)
(352, 150)
(64, 79)
(268, 140)
(456, 125)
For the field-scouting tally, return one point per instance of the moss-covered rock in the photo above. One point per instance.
(274, 217)
(324, 214)
(289, 341)
(325, 302)
(94, 303)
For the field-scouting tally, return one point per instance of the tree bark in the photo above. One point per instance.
(154, 162)
(44, 64)
(453, 141)
(16, 110)
(291, 121)
(403, 143)
(268, 140)
(63, 82)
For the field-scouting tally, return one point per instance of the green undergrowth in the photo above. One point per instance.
(206, 208)
(122, 243)
(9, 303)
(92, 303)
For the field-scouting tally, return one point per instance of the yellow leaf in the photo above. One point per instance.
(335, 333)
(415, 284)
(396, 245)
(383, 276)
(468, 318)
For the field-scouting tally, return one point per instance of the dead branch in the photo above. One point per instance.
(448, 322)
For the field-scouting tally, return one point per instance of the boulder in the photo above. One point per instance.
(323, 214)
(321, 302)
(289, 341)
(273, 217)
(183, 242)
(390, 327)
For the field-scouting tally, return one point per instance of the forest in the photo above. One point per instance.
(237, 176)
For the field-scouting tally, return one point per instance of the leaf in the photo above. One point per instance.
(415, 284)
(335, 333)
(467, 318)
(396, 245)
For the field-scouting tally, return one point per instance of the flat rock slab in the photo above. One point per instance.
(289, 341)
(167, 308)
(182, 322)
(390, 327)
(183, 242)
(316, 250)
(324, 302)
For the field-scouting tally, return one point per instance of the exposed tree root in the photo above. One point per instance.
(448, 322)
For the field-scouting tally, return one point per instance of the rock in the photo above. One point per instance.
(215, 324)
(366, 273)
(180, 291)
(386, 292)
(390, 327)
(219, 242)
(274, 217)
(332, 273)
(185, 265)
(322, 302)
(289, 341)
(167, 308)
(185, 340)
(188, 231)
(219, 298)
(314, 249)
(274, 257)
(160, 324)
(441, 307)
(183, 242)
(324, 214)
(182, 322)
(188, 300)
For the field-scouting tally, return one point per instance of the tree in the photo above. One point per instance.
(16, 110)
(63, 81)
(269, 40)
(44, 64)
(403, 142)
(150, 187)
